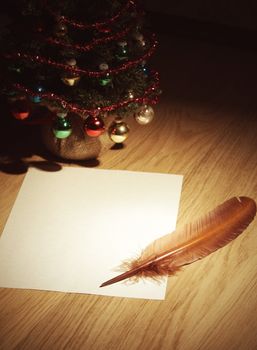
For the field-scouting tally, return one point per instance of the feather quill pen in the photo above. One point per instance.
(166, 255)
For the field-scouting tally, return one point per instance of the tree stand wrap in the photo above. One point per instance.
(78, 146)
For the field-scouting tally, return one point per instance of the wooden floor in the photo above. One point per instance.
(206, 129)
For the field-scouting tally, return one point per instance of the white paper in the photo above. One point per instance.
(69, 230)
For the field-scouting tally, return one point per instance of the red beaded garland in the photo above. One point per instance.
(91, 45)
(97, 74)
(94, 125)
(96, 25)
(144, 99)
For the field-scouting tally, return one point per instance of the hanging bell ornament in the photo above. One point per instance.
(94, 126)
(60, 29)
(122, 52)
(104, 80)
(118, 131)
(145, 115)
(62, 126)
(20, 109)
(71, 78)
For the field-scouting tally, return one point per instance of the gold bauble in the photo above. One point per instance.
(71, 78)
(145, 115)
(71, 81)
(118, 131)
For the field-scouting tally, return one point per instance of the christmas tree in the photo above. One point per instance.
(85, 61)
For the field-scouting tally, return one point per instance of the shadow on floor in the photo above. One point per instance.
(20, 141)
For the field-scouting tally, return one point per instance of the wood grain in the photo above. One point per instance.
(205, 128)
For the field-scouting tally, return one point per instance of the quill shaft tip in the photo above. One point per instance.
(124, 275)
(104, 284)
(116, 279)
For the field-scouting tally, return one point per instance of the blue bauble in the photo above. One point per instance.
(145, 70)
(37, 98)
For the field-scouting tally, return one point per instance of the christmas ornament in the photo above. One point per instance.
(62, 126)
(122, 52)
(145, 115)
(131, 94)
(12, 96)
(71, 78)
(20, 109)
(140, 39)
(37, 98)
(144, 68)
(103, 66)
(14, 68)
(60, 29)
(94, 126)
(77, 146)
(106, 79)
(118, 131)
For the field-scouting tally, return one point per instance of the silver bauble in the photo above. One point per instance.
(145, 115)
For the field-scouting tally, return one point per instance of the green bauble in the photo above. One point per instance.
(105, 81)
(62, 127)
(61, 134)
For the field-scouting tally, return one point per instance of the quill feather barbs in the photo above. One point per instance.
(166, 255)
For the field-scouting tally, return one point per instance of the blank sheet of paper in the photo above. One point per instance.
(69, 230)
